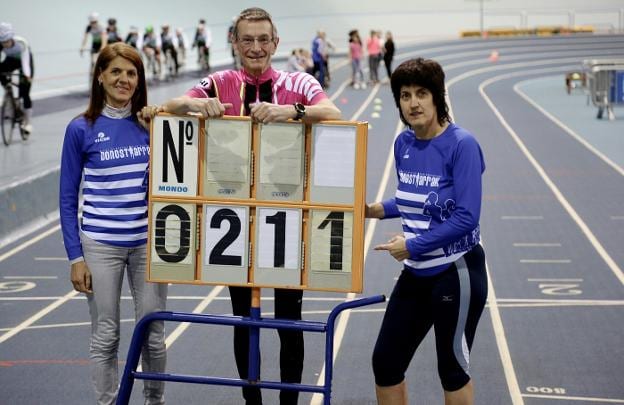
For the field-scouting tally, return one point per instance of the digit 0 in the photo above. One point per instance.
(161, 229)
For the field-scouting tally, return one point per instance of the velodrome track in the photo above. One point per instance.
(551, 226)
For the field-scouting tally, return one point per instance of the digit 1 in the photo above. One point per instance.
(336, 219)
(279, 220)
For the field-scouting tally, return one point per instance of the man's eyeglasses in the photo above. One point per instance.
(248, 42)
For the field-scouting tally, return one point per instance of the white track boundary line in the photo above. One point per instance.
(14, 331)
(569, 131)
(613, 266)
(317, 399)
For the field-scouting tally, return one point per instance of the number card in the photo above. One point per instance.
(333, 164)
(278, 246)
(281, 163)
(277, 205)
(225, 245)
(331, 249)
(228, 158)
(175, 146)
(172, 254)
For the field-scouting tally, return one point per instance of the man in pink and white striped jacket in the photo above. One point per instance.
(266, 95)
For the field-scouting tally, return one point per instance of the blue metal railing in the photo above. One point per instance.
(254, 322)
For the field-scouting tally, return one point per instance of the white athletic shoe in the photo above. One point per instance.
(27, 128)
(363, 86)
(356, 86)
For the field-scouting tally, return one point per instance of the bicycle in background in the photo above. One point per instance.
(11, 112)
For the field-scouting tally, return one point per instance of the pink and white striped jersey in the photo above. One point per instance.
(273, 86)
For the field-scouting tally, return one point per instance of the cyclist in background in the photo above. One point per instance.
(203, 41)
(112, 32)
(99, 39)
(168, 41)
(151, 49)
(182, 43)
(18, 56)
(133, 38)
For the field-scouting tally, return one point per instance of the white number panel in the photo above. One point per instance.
(279, 238)
(172, 255)
(175, 148)
(226, 235)
(225, 244)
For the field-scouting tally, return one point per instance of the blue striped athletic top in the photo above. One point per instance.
(438, 197)
(110, 159)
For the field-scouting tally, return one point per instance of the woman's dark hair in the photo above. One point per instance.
(421, 72)
(107, 54)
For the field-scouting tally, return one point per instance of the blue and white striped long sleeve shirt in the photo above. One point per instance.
(438, 197)
(110, 159)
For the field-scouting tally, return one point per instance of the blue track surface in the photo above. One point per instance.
(551, 223)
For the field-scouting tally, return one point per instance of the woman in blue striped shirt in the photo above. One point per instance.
(107, 150)
(438, 198)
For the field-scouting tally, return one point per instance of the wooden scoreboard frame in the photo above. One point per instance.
(314, 213)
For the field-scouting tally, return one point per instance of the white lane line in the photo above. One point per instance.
(51, 259)
(183, 326)
(501, 343)
(613, 266)
(317, 399)
(30, 242)
(502, 303)
(366, 102)
(497, 322)
(14, 331)
(585, 399)
(173, 336)
(567, 130)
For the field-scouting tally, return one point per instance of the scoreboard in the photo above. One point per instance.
(234, 202)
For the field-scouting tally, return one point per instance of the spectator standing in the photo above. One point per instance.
(388, 53)
(373, 47)
(318, 47)
(294, 62)
(355, 54)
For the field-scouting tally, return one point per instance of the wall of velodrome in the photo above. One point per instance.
(29, 200)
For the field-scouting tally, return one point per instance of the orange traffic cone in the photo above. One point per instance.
(493, 56)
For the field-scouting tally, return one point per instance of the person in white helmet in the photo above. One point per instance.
(99, 37)
(18, 56)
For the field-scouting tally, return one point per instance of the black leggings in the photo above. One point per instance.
(451, 302)
(9, 65)
(287, 306)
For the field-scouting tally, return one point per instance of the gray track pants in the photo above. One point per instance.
(107, 264)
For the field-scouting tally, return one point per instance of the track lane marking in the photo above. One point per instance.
(370, 230)
(593, 240)
(567, 129)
